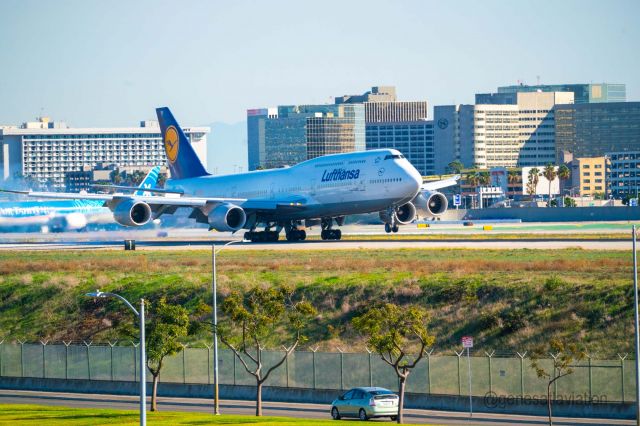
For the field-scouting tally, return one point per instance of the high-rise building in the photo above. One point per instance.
(413, 138)
(592, 130)
(582, 93)
(381, 106)
(46, 150)
(498, 135)
(288, 135)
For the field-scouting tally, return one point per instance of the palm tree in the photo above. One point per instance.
(455, 166)
(534, 178)
(564, 173)
(550, 174)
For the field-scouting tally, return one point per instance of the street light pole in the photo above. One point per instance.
(636, 323)
(143, 362)
(216, 390)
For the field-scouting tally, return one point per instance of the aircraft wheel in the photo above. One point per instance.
(302, 235)
(387, 228)
(395, 228)
(291, 235)
(274, 236)
(337, 234)
(247, 236)
(324, 235)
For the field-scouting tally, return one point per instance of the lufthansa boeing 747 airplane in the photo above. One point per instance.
(321, 191)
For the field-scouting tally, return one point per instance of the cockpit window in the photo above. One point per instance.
(391, 156)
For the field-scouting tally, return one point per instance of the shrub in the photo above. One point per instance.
(513, 320)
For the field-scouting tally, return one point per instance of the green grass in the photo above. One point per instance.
(11, 414)
(508, 299)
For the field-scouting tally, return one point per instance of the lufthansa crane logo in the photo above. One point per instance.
(171, 144)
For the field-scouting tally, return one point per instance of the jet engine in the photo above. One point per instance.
(227, 217)
(132, 213)
(405, 214)
(430, 203)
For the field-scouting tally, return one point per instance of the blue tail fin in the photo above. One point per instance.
(148, 182)
(182, 159)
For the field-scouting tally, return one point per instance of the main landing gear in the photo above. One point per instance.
(262, 236)
(296, 235)
(327, 232)
(388, 228)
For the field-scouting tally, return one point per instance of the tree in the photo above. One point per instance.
(168, 324)
(533, 179)
(564, 173)
(455, 166)
(392, 331)
(569, 202)
(256, 316)
(564, 355)
(550, 174)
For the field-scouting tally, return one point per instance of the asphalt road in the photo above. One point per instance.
(310, 411)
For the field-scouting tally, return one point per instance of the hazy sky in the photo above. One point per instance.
(110, 63)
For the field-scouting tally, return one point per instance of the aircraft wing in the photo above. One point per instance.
(439, 184)
(264, 205)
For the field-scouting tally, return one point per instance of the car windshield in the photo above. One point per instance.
(380, 392)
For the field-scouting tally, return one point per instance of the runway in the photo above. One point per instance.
(588, 236)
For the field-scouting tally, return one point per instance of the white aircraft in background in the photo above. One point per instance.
(321, 191)
(63, 215)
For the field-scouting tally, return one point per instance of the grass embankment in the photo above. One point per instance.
(11, 414)
(508, 299)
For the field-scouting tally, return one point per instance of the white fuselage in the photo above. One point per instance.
(328, 186)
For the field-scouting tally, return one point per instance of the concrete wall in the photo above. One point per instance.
(557, 214)
(489, 403)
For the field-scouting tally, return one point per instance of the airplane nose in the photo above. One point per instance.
(415, 178)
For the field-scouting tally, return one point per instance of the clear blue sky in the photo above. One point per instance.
(109, 63)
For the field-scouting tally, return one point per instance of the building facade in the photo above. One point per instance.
(592, 130)
(623, 174)
(588, 176)
(499, 135)
(582, 93)
(46, 151)
(290, 134)
(414, 139)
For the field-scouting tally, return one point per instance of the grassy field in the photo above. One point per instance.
(508, 299)
(11, 414)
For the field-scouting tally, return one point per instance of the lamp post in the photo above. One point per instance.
(143, 362)
(216, 394)
(636, 322)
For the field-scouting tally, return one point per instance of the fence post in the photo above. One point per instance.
(234, 370)
(286, 366)
(88, 358)
(184, 363)
(209, 361)
(459, 378)
(341, 369)
(369, 364)
(590, 377)
(522, 355)
(490, 355)
(622, 358)
(66, 358)
(1, 351)
(429, 371)
(21, 357)
(111, 345)
(44, 365)
(313, 364)
(555, 384)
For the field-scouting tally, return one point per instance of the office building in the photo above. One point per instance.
(413, 138)
(498, 135)
(381, 106)
(588, 176)
(592, 130)
(46, 150)
(582, 93)
(288, 135)
(623, 174)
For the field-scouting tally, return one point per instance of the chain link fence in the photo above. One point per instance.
(592, 380)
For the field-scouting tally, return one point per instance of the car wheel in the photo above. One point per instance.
(335, 415)
(362, 415)
(394, 418)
